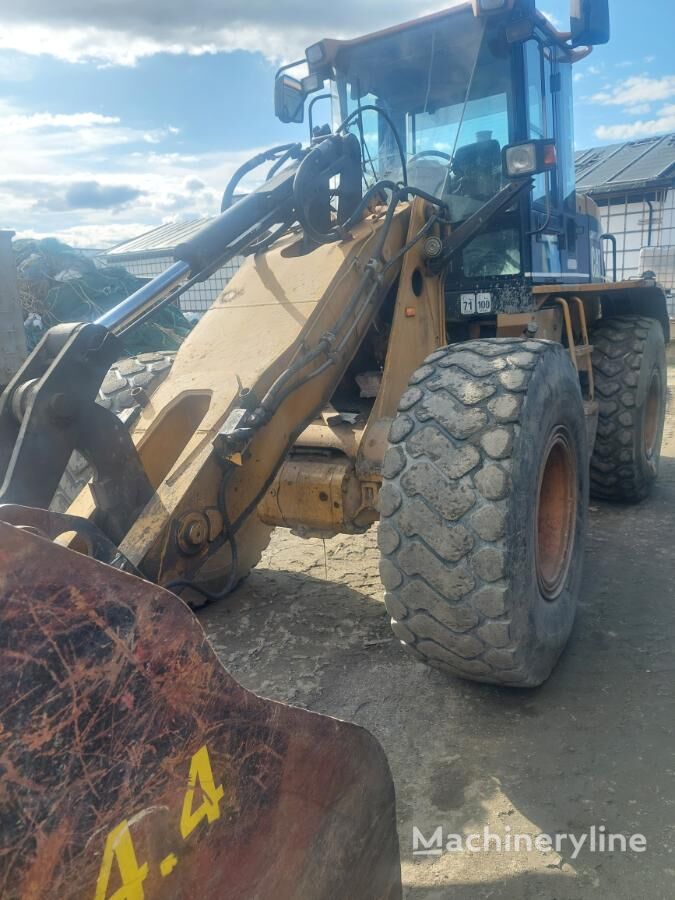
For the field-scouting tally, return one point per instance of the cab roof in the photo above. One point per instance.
(333, 47)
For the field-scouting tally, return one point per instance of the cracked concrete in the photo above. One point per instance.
(593, 746)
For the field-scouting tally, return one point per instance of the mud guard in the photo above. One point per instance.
(134, 766)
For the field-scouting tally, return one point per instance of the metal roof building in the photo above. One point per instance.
(150, 253)
(634, 185)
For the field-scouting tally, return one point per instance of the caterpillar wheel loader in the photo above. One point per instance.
(423, 333)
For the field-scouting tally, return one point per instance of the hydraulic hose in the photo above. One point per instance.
(288, 151)
(385, 115)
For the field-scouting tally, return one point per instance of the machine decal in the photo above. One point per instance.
(483, 303)
(476, 304)
(119, 846)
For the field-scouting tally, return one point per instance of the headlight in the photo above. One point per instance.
(312, 83)
(530, 158)
(521, 160)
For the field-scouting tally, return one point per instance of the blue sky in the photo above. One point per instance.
(122, 114)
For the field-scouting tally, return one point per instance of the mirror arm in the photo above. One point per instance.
(291, 65)
(579, 53)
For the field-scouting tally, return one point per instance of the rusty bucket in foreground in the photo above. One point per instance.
(132, 765)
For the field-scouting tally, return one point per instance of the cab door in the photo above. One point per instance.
(552, 210)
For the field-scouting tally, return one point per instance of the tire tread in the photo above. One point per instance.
(452, 469)
(618, 347)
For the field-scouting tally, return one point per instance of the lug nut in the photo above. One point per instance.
(193, 533)
(140, 396)
(196, 533)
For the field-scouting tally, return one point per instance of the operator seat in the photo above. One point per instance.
(428, 175)
(477, 169)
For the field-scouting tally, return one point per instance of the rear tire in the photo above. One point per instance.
(147, 371)
(483, 510)
(629, 368)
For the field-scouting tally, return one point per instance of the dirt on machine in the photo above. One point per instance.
(423, 335)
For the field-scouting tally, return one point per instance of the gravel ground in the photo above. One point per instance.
(593, 746)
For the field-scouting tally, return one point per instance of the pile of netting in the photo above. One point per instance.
(59, 284)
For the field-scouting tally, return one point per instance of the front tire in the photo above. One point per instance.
(483, 510)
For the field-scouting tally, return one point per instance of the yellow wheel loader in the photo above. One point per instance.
(423, 334)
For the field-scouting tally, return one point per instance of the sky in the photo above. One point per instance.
(120, 115)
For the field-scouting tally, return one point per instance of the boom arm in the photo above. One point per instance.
(49, 409)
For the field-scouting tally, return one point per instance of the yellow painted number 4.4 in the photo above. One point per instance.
(201, 776)
(119, 848)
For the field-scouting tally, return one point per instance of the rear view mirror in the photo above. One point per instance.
(589, 20)
(289, 98)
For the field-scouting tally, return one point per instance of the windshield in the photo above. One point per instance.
(446, 86)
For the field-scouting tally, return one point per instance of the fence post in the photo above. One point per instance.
(12, 335)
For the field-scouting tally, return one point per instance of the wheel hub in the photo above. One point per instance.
(652, 414)
(557, 498)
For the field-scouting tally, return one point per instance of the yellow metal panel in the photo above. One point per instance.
(276, 306)
(417, 329)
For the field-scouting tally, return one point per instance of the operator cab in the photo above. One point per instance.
(450, 92)
(458, 93)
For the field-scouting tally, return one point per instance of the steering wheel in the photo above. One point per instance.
(423, 154)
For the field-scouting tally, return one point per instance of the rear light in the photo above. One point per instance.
(550, 156)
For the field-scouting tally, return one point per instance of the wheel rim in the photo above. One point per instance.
(652, 414)
(556, 513)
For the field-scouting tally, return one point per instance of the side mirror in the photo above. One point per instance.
(528, 158)
(289, 98)
(589, 21)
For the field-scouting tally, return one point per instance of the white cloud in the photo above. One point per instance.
(637, 90)
(20, 122)
(16, 68)
(121, 33)
(91, 236)
(640, 109)
(63, 175)
(43, 143)
(662, 124)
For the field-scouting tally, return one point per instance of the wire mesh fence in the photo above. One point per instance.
(200, 296)
(640, 223)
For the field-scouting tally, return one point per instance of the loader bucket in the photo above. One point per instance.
(132, 765)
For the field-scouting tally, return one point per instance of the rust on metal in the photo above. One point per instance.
(557, 501)
(133, 765)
